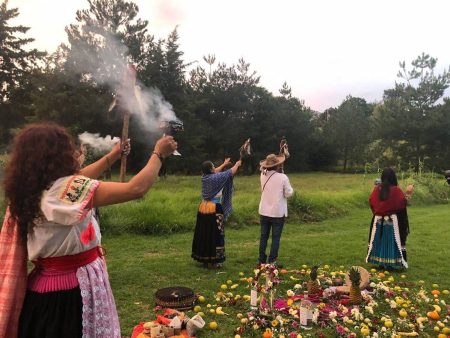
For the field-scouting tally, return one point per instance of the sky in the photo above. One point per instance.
(324, 49)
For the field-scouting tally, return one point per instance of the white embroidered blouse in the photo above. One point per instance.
(67, 225)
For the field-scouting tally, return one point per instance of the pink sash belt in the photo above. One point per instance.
(60, 273)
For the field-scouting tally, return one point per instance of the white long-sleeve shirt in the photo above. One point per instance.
(274, 196)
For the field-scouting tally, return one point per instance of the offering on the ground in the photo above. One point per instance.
(175, 297)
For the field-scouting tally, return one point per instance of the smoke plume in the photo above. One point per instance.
(108, 66)
(99, 145)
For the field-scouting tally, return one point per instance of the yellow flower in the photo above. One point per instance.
(274, 322)
(290, 302)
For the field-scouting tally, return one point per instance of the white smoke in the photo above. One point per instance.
(99, 145)
(109, 66)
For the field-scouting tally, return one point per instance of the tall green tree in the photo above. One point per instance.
(410, 114)
(16, 62)
(348, 128)
(105, 37)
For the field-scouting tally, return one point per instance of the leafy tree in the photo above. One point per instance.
(286, 91)
(105, 37)
(15, 64)
(410, 114)
(348, 128)
(234, 107)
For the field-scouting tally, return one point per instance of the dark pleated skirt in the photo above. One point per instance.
(208, 245)
(52, 315)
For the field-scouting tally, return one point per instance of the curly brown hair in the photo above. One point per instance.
(41, 154)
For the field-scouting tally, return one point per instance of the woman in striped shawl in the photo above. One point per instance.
(208, 245)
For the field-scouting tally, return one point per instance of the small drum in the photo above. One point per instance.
(175, 297)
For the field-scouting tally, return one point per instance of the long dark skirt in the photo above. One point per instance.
(51, 315)
(208, 245)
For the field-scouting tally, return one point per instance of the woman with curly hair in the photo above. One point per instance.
(50, 220)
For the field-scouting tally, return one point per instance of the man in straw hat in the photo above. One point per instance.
(275, 189)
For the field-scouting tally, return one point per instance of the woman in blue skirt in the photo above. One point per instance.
(390, 226)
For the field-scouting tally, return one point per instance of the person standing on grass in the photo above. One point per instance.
(390, 226)
(275, 189)
(208, 244)
(50, 221)
(447, 176)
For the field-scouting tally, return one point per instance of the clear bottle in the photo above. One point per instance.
(253, 298)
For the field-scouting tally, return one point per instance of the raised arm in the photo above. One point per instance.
(409, 191)
(94, 170)
(235, 168)
(288, 191)
(223, 165)
(113, 192)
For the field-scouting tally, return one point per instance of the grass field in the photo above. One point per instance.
(149, 241)
(170, 206)
(140, 264)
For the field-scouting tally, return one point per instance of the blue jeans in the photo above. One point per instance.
(276, 223)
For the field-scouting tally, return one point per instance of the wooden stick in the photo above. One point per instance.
(123, 159)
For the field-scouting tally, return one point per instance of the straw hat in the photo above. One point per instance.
(271, 161)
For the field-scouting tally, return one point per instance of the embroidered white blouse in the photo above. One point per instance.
(67, 225)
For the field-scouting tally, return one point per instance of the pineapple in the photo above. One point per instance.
(355, 291)
(313, 284)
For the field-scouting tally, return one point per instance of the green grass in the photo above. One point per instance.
(149, 241)
(170, 206)
(139, 265)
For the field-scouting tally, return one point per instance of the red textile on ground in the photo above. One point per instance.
(137, 329)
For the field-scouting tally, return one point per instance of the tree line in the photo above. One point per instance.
(221, 105)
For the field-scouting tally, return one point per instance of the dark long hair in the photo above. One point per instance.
(388, 179)
(207, 168)
(41, 154)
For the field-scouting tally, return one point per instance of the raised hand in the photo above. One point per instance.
(165, 146)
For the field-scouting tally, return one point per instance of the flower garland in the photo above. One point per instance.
(271, 273)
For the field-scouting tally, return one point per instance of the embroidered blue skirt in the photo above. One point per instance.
(384, 246)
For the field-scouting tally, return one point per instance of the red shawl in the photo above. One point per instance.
(395, 202)
(13, 277)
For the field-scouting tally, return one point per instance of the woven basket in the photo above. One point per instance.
(175, 297)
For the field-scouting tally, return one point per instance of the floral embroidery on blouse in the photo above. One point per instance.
(75, 189)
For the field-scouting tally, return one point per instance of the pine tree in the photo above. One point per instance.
(16, 64)
(15, 61)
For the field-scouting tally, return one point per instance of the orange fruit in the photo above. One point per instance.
(433, 315)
